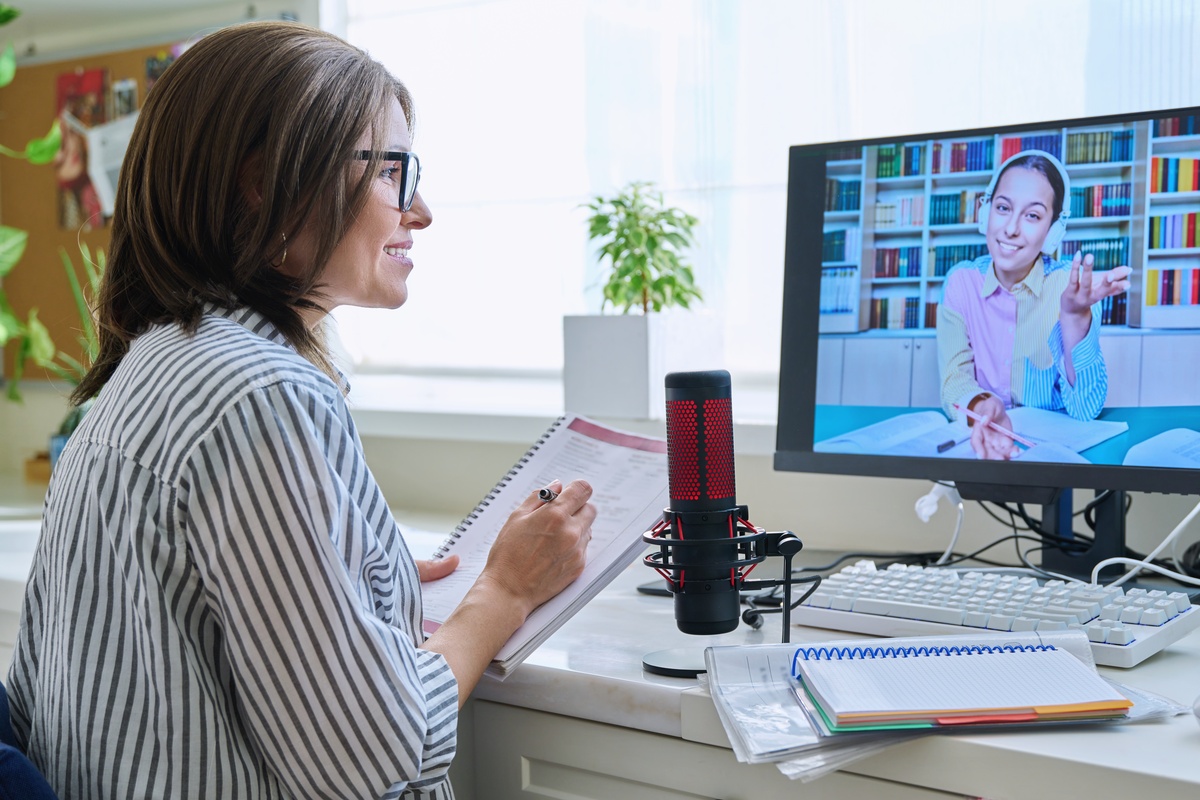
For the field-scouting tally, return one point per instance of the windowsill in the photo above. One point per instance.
(515, 409)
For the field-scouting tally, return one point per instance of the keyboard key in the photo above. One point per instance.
(885, 608)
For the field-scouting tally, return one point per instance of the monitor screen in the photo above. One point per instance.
(1013, 309)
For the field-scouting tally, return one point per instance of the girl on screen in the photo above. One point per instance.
(1018, 326)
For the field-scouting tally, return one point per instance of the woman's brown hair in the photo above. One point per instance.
(247, 136)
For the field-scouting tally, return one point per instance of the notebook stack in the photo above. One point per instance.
(814, 708)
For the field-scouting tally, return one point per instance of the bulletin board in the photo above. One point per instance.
(43, 200)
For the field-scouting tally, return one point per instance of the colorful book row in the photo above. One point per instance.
(1172, 231)
(898, 262)
(838, 290)
(1099, 147)
(947, 255)
(1050, 142)
(956, 208)
(1174, 175)
(905, 212)
(842, 195)
(1101, 200)
(895, 313)
(898, 160)
(1106, 253)
(1176, 126)
(841, 245)
(1172, 287)
(972, 156)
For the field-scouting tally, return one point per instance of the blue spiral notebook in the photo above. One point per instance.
(859, 687)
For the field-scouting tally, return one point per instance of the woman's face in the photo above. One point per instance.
(370, 266)
(1018, 221)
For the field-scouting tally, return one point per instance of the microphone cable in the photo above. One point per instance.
(753, 615)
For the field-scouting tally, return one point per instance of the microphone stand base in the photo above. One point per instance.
(679, 662)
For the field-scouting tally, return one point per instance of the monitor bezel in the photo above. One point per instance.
(795, 414)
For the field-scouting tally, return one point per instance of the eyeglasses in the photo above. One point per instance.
(410, 172)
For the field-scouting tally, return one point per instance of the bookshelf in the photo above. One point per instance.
(841, 256)
(917, 216)
(1168, 287)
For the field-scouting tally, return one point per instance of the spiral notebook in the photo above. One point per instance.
(860, 687)
(628, 475)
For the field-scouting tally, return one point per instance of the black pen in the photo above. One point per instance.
(546, 495)
(946, 445)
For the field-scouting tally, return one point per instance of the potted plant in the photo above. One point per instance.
(644, 242)
(13, 240)
(614, 364)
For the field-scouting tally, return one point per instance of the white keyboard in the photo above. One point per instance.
(1125, 627)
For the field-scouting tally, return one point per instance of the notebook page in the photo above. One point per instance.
(931, 684)
(628, 475)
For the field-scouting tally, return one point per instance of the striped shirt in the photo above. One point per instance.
(1010, 343)
(221, 604)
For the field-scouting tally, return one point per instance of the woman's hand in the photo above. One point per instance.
(986, 441)
(542, 547)
(1085, 288)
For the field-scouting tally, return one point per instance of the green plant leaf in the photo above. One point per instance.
(41, 346)
(14, 383)
(43, 150)
(12, 247)
(10, 325)
(81, 306)
(8, 13)
(642, 241)
(8, 65)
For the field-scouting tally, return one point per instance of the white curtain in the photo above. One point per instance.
(526, 108)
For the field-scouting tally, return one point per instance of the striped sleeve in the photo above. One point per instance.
(339, 699)
(1085, 399)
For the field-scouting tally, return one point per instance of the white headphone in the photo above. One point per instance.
(1058, 229)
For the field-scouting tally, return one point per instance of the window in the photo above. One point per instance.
(703, 97)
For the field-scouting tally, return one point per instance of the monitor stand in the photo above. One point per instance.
(1109, 540)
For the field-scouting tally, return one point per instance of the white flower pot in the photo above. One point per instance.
(614, 364)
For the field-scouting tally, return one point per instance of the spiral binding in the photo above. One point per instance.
(462, 527)
(840, 653)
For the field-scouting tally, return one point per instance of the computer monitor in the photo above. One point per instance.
(917, 284)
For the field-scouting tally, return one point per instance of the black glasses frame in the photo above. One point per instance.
(410, 172)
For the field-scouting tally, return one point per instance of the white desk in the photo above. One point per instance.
(559, 723)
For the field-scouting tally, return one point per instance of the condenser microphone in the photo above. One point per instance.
(703, 507)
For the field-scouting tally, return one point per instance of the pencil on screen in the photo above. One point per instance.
(1011, 434)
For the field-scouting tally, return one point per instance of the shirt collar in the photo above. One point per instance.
(252, 321)
(1035, 281)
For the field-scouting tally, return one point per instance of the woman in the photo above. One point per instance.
(222, 604)
(1016, 326)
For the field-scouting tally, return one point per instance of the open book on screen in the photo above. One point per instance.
(930, 434)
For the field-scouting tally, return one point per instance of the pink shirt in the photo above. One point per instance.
(1010, 343)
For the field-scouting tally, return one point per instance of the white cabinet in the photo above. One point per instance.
(521, 754)
(1123, 361)
(1169, 373)
(829, 370)
(926, 375)
(877, 371)
(887, 371)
